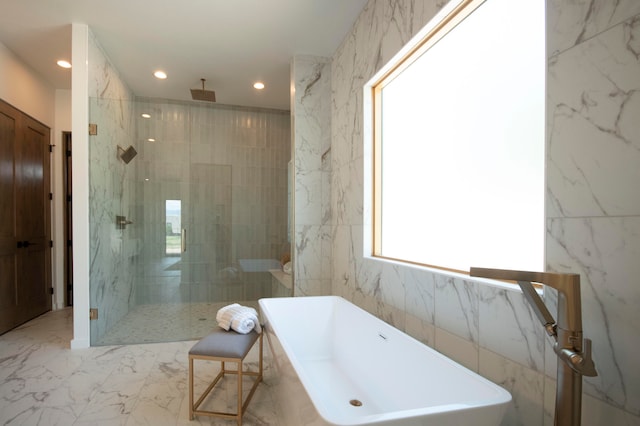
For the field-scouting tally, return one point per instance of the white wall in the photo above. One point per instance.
(26, 90)
(23, 88)
(62, 124)
(80, 165)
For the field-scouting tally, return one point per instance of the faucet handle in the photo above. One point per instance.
(587, 366)
(580, 362)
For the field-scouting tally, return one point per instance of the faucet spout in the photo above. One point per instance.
(568, 286)
(566, 333)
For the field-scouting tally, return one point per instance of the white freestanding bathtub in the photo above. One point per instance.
(335, 364)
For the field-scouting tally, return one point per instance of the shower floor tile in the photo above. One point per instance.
(168, 322)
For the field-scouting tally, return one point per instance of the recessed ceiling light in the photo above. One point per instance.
(258, 85)
(64, 64)
(160, 74)
(151, 140)
(145, 115)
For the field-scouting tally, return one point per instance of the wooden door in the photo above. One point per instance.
(25, 252)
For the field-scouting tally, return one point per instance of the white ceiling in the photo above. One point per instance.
(231, 43)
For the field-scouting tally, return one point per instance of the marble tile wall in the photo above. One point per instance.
(112, 192)
(311, 121)
(593, 163)
(593, 213)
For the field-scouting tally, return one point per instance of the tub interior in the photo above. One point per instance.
(342, 353)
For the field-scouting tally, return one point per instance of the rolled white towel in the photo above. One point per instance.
(245, 321)
(225, 315)
(241, 319)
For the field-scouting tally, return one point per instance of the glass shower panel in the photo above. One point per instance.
(113, 217)
(207, 270)
(206, 202)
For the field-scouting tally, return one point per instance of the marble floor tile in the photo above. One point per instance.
(44, 382)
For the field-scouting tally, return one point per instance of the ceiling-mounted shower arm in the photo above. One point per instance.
(202, 94)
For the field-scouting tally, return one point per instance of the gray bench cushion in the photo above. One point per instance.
(225, 344)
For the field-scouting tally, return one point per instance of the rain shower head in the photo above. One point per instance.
(203, 95)
(127, 155)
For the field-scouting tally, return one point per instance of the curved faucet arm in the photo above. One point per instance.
(567, 334)
(559, 281)
(540, 309)
(568, 286)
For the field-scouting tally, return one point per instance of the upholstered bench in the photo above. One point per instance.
(224, 346)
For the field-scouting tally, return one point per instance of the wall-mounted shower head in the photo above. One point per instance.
(203, 95)
(127, 155)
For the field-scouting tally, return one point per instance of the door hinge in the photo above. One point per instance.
(50, 290)
(69, 244)
(51, 243)
(51, 148)
(51, 195)
(93, 129)
(93, 314)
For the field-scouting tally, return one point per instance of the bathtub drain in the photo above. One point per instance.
(355, 403)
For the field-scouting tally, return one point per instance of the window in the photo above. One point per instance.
(457, 133)
(173, 227)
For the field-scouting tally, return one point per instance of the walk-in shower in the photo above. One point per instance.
(206, 205)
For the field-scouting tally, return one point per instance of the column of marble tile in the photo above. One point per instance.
(312, 164)
(593, 217)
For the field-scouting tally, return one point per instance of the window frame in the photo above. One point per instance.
(446, 20)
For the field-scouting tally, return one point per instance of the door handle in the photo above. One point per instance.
(25, 244)
(183, 240)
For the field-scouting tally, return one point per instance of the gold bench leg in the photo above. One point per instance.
(240, 411)
(242, 405)
(190, 388)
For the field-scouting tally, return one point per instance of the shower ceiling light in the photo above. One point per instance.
(258, 85)
(160, 75)
(63, 64)
(145, 115)
(151, 140)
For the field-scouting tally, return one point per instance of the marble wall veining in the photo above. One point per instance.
(593, 213)
(311, 122)
(112, 192)
(593, 161)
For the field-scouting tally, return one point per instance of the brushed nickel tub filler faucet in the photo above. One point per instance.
(574, 351)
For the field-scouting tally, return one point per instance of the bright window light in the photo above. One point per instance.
(459, 143)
